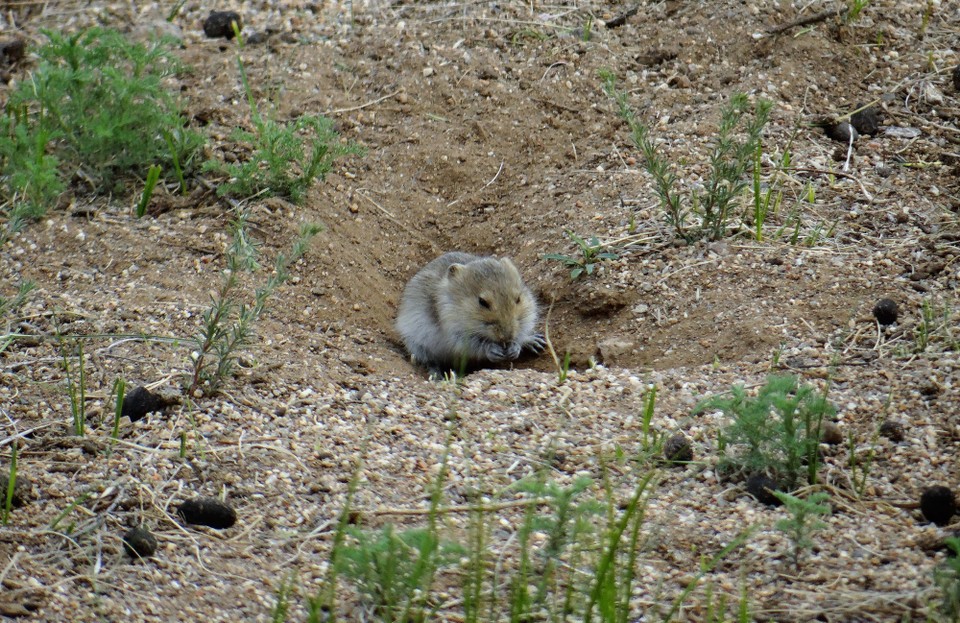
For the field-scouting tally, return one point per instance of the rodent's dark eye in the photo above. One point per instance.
(484, 303)
(518, 299)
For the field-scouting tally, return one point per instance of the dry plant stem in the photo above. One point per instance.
(466, 508)
(806, 21)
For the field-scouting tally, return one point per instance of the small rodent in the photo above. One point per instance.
(462, 310)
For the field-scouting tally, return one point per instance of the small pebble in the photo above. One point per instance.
(886, 311)
(938, 504)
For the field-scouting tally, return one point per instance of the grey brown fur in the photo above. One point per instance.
(462, 310)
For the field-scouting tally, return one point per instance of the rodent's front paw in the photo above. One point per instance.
(495, 352)
(535, 343)
(513, 351)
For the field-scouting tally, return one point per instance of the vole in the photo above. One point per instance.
(462, 310)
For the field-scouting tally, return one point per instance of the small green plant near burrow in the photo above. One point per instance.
(282, 608)
(802, 521)
(854, 8)
(947, 579)
(98, 105)
(76, 384)
(935, 327)
(9, 307)
(712, 209)
(591, 254)
(153, 176)
(11, 483)
(228, 324)
(394, 570)
(649, 401)
(775, 432)
(286, 158)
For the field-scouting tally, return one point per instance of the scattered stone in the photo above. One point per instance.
(677, 449)
(220, 24)
(892, 430)
(831, 434)
(206, 511)
(886, 311)
(140, 402)
(138, 542)
(938, 504)
(866, 121)
(21, 490)
(841, 131)
(762, 487)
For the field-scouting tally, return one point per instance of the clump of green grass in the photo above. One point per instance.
(776, 432)
(8, 308)
(591, 253)
(95, 108)
(802, 521)
(704, 214)
(947, 578)
(285, 157)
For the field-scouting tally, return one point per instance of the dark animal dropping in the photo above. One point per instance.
(762, 487)
(138, 542)
(220, 24)
(677, 449)
(886, 311)
(140, 402)
(208, 512)
(938, 504)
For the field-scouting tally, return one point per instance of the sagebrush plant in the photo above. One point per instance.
(95, 106)
(591, 253)
(707, 213)
(228, 323)
(776, 432)
(394, 569)
(802, 522)
(285, 157)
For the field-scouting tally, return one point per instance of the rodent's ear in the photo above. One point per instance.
(454, 269)
(509, 265)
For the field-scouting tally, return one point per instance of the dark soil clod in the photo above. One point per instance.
(762, 487)
(677, 449)
(220, 24)
(938, 504)
(866, 121)
(956, 78)
(886, 311)
(139, 542)
(206, 511)
(140, 402)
